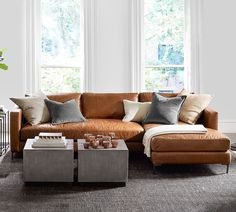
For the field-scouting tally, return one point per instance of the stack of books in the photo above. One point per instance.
(49, 140)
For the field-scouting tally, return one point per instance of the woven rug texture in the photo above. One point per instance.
(174, 188)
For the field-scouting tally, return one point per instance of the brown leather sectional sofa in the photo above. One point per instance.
(104, 113)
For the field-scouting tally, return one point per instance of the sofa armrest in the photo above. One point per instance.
(15, 127)
(209, 118)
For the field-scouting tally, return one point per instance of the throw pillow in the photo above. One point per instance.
(64, 112)
(33, 108)
(164, 110)
(135, 111)
(193, 106)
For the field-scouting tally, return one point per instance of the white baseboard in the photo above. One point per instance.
(227, 126)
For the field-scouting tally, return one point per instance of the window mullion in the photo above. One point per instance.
(32, 46)
(137, 74)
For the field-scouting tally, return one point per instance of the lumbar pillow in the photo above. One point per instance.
(193, 106)
(64, 112)
(135, 111)
(164, 110)
(33, 108)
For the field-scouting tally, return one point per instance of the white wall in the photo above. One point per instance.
(112, 46)
(112, 65)
(218, 57)
(12, 37)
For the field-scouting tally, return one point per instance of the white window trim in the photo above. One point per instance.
(137, 58)
(32, 20)
(88, 24)
(193, 13)
(192, 59)
(33, 47)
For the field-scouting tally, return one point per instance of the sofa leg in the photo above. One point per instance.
(154, 168)
(227, 168)
(12, 155)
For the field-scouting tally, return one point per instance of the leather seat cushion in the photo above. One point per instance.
(210, 141)
(130, 131)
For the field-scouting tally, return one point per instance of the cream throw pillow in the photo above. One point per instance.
(34, 109)
(135, 111)
(193, 106)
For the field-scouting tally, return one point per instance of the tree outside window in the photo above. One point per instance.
(60, 46)
(164, 45)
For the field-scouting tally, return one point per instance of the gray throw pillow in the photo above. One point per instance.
(64, 112)
(164, 110)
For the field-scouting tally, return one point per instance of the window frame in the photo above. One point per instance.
(33, 46)
(191, 52)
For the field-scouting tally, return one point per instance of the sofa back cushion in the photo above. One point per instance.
(105, 105)
(147, 96)
(64, 97)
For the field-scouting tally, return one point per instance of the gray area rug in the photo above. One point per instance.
(172, 188)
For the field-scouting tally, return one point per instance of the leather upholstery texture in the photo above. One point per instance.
(105, 106)
(15, 129)
(130, 131)
(64, 97)
(191, 157)
(209, 118)
(211, 141)
(104, 113)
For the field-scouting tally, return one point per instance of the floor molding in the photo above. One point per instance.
(227, 126)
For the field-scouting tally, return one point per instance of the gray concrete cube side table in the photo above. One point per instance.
(103, 165)
(48, 164)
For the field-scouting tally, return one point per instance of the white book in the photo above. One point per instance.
(49, 134)
(49, 144)
(46, 135)
(42, 139)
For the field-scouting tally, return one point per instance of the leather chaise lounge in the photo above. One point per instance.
(104, 113)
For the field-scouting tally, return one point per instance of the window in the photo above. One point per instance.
(164, 45)
(60, 64)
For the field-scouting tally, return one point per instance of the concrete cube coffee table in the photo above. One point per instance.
(103, 165)
(48, 164)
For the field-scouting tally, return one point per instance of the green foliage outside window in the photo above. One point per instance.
(60, 42)
(59, 80)
(3, 66)
(158, 78)
(164, 44)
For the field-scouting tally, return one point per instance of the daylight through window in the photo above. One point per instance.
(164, 45)
(60, 46)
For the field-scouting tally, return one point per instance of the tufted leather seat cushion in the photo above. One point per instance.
(130, 131)
(211, 141)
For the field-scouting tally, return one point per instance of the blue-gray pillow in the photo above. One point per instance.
(164, 110)
(64, 112)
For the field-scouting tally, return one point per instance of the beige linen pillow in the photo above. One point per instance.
(34, 109)
(135, 111)
(193, 106)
